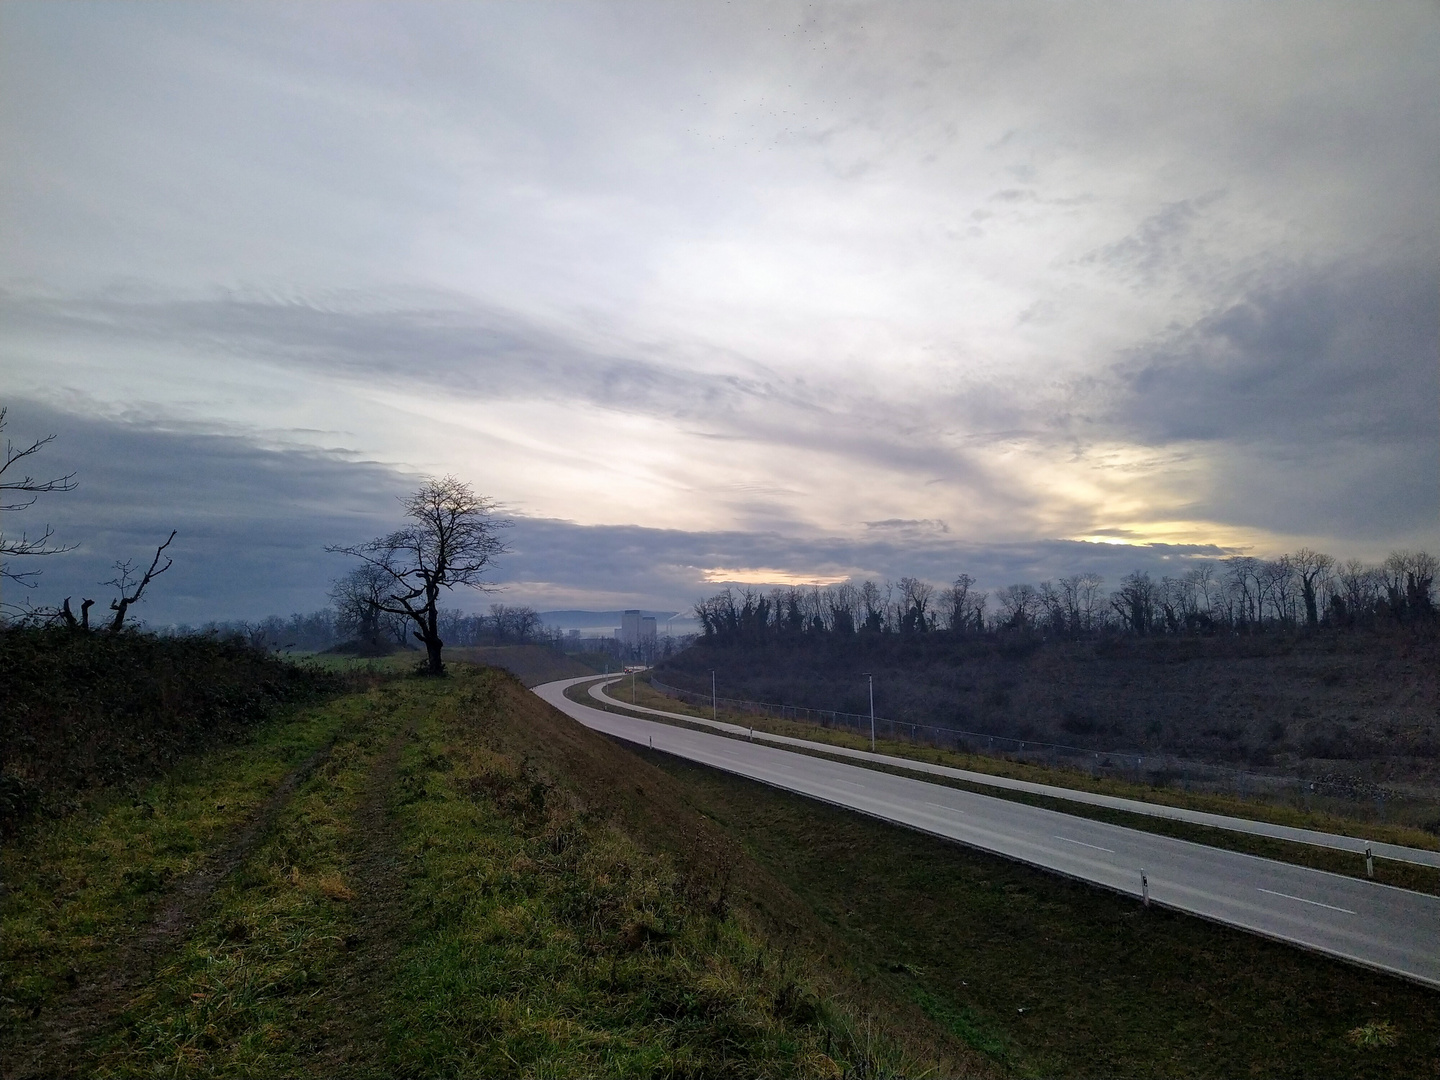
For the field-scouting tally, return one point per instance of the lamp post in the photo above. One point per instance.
(871, 677)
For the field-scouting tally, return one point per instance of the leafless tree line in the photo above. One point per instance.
(326, 628)
(1240, 594)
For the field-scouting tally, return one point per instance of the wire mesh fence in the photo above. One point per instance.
(1158, 769)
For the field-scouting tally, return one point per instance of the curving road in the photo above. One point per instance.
(1352, 844)
(1393, 930)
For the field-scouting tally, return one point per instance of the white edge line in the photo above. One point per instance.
(1302, 900)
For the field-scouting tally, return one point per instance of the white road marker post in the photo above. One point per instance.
(1369, 860)
(714, 708)
(871, 677)
(1144, 887)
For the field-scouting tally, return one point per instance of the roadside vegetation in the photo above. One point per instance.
(1354, 715)
(1053, 978)
(1203, 683)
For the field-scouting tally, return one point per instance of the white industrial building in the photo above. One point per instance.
(637, 630)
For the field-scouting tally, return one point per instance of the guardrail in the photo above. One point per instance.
(1161, 769)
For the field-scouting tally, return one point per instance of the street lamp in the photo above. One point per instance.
(872, 710)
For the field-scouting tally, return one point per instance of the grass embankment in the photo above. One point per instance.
(531, 664)
(1053, 978)
(1387, 871)
(469, 884)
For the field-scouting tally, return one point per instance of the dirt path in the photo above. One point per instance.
(53, 1045)
(348, 1045)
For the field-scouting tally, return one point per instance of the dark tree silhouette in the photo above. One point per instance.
(19, 492)
(131, 590)
(359, 598)
(450, 542)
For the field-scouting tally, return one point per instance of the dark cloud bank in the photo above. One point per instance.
(253, 522)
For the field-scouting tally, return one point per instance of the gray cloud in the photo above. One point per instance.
(1157, 245)
(1348, 352)
(253, 523)
(749, 226)
(1318, 397)
(453, 346)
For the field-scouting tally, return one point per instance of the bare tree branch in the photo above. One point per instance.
(29, 485)
(126, 576)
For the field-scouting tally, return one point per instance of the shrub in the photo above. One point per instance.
(81, 711)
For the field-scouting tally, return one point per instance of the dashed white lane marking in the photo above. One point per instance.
(1302, 900)
(942, 806)
(1082, 843)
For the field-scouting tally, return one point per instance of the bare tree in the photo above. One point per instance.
(1052, 607)
(1312, 569)
(19, 492)
(1243, 584)
(1205, 588)
(957, 604)
(359, 598)
(1020, 603)
(842, 608)
(514, 623)
(131, 589)
(452, 541)
(874, 606)
(915, 599)
(1080, 593)
(1135, 602)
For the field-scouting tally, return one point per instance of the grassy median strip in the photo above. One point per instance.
(1402, 875)
(1052, 978)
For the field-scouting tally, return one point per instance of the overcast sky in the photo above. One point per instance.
(767, 292)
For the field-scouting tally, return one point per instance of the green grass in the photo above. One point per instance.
(469, 885)
(1052, 978)
(396, 663)
(77, 887)
(531, 664)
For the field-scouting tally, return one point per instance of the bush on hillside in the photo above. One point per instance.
(82, 711)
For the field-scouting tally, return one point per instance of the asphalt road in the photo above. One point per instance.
(1390, 929)
(1352, 844)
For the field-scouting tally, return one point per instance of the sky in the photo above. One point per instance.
(759, 293)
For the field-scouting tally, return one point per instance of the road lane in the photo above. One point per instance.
(1354, 845)
(1390, 929)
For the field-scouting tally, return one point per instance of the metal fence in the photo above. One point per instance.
(1161, 769)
